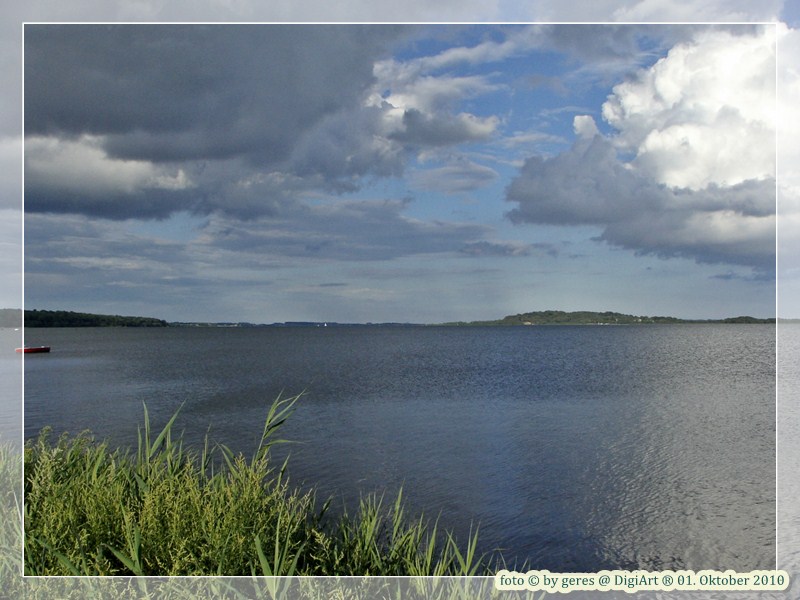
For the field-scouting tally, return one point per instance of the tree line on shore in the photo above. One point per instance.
(66, 318)
(10, 317)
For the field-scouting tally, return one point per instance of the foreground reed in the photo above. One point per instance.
(166, 510)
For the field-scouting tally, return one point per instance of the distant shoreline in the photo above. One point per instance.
(10, 317)
(559, 317)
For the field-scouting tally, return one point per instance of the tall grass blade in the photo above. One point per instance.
(133, 560)
(278, 412)
(468, 565)
(151, 450)
(266, 569)
(127, 561)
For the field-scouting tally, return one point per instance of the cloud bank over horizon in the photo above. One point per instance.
(265, 156)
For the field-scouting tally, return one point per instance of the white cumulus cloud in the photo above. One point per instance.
(585, 126)
(697, 129)
(703, 114)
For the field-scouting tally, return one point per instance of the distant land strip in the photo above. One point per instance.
(12, 317)
(65, 318)
(560, 317)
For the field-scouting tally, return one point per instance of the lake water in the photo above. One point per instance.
(574, 448)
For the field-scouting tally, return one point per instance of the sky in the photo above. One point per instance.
(415, 173)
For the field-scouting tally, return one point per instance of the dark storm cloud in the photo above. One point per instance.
(588, 185)
(146, 203)
(144, 121)
(173, 93)
(241, 124)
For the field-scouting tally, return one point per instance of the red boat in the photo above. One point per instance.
(28, 350)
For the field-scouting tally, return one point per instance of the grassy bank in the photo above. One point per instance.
(10, 520)
(166, 510)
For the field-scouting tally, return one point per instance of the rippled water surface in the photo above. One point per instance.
(574, 448)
